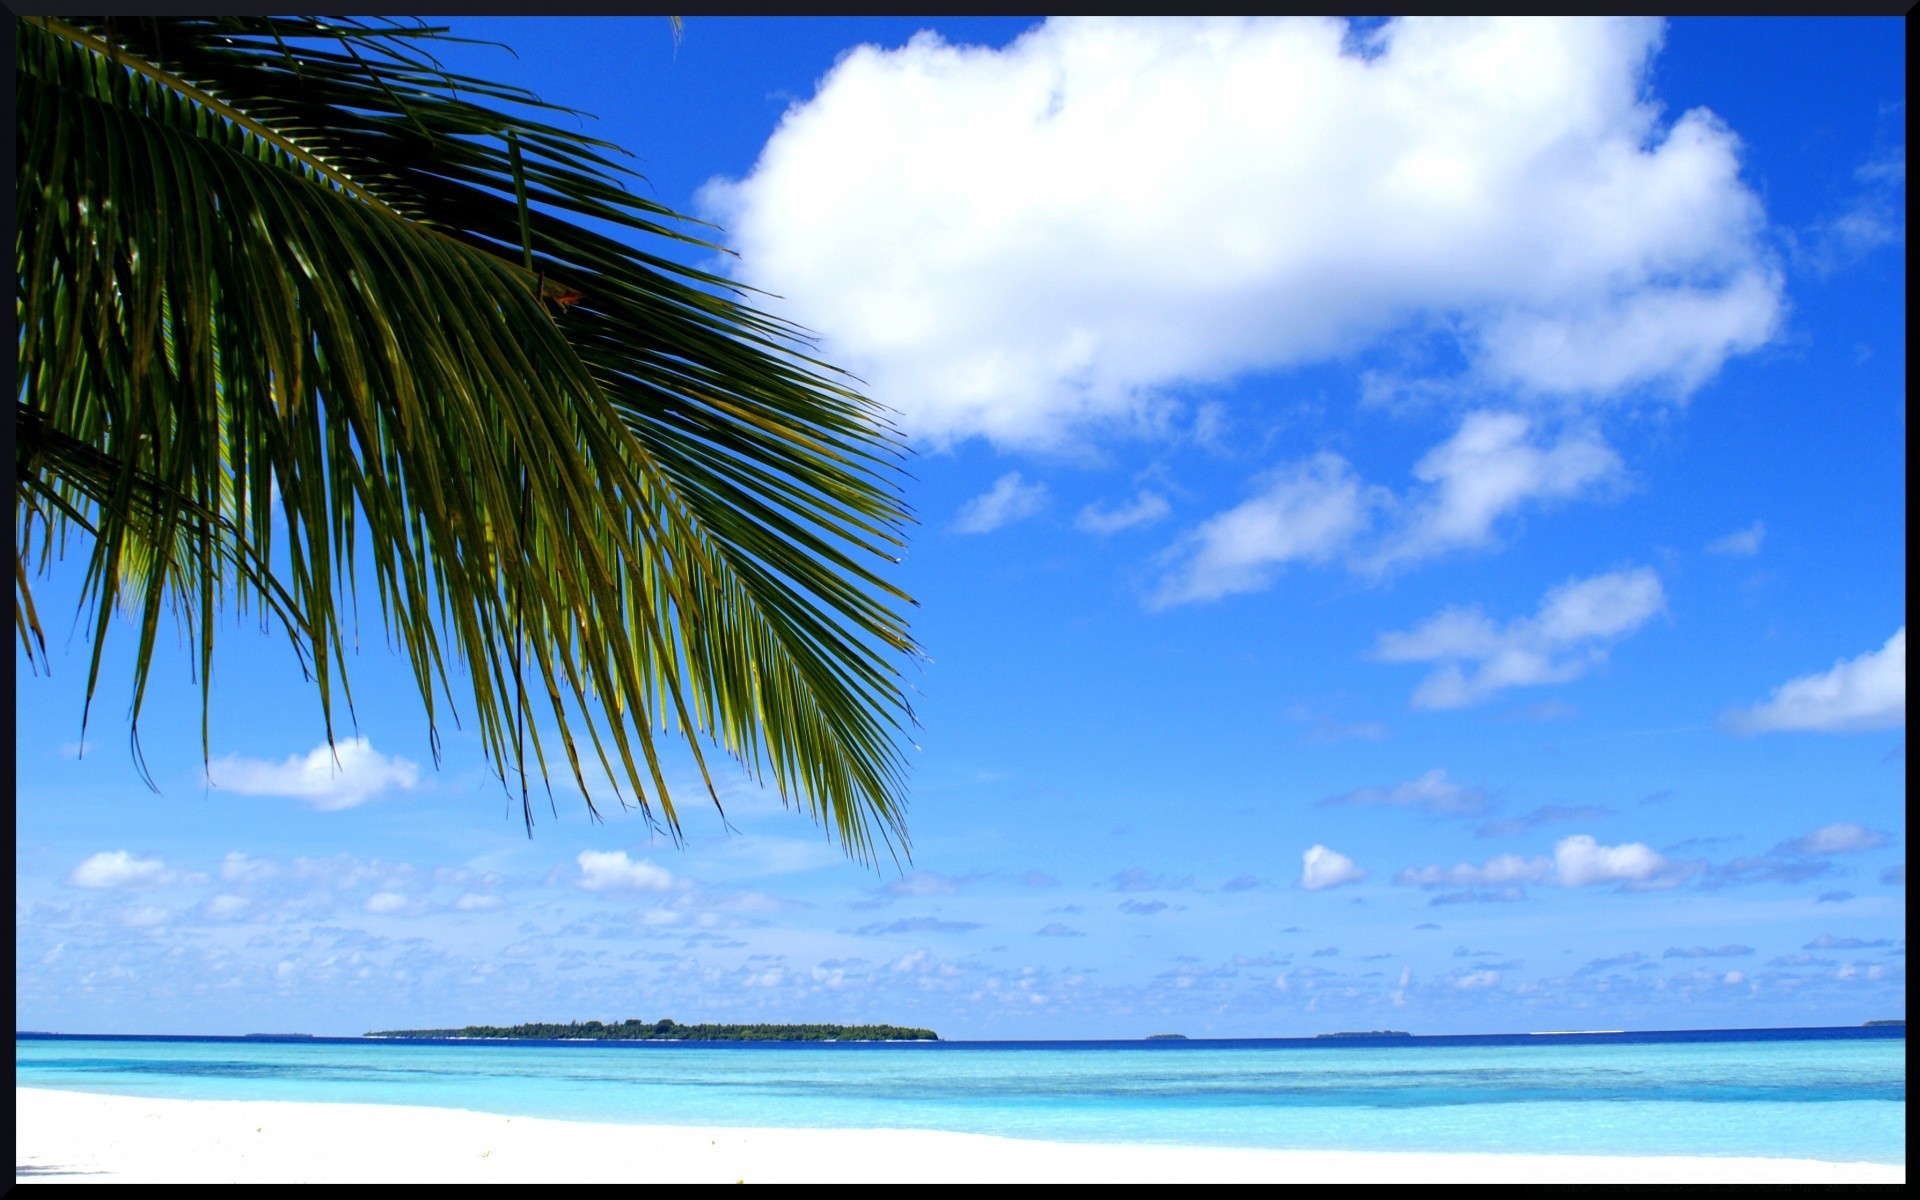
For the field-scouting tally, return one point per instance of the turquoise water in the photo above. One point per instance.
(1834, 1099)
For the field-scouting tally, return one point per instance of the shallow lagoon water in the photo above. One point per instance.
(1838, 1095)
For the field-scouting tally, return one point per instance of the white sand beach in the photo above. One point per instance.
(81, 1137)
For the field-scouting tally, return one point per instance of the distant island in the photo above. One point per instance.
(1899, 1021)
(1366, 1033)
(1166, 1037)
(666, 1030)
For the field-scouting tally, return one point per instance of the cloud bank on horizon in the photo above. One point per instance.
(1107, 209)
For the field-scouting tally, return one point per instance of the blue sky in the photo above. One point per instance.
(1411, 536)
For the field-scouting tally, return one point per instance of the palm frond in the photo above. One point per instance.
(296, 303)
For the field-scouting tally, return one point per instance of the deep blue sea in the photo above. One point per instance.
(1835, 1094)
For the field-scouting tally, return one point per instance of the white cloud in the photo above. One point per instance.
(1562, 641)
(328, 779)
(1018, 242)
(1318, 509)
(386, 902)
(1307, 512)
(1500, 869)
(1147, 507)
(1476, 979)
(1432, 792)
(227, 906)
(239, 868)
(602, 871)
(1874, 217)
(926, 883)
(1741, 542)
(1868, 692)
(1843, 838)
(1008, 500)
(145, 915)
(1324, 868)
(119, 869)
(1491, 466)
(1580, 861)
(475, 902)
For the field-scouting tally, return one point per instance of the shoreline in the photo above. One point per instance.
(95, 1137)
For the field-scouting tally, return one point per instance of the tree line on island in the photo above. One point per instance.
(666, 1030)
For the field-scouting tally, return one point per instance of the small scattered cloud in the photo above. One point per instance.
(1326, 952)
(1322, 868)
(1241, 883)
(1010, 499)
(1740, 543)
(1318, 510)
(1766, 868)
(240, 868)
(1897, 873)
(1136, 879)
(1707, 951)
(1143, 908)
(1834, 897)
(385, 903)
(1056, 929)
(1432, 792)
(1327, 732)
(1843, 838)
(1578, 861)
(1595, 966)
(327, 778)
(1569, 636)
(1146, 508)
(1858, 694)
(1500, 869)
(1549, 814)
(1306, 512)
(916, 925)
(225, 906)
(476, 902)
(1038, 879)
(1505, 895)
(1873, 217)
(119, 869)
(929, 883)
(1827, 941)
(1491, 466)
(612, 870)
(1800, 960)
(1700, 843)
(1428, 925)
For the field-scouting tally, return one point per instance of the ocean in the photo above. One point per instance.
(1833, 1094)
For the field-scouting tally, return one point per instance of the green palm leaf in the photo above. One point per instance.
(297, 304)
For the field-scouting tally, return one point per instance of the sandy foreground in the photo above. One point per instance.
(80, 1137)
